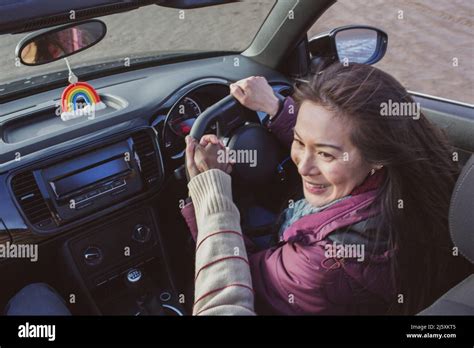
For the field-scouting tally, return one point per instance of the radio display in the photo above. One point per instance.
(90, 176)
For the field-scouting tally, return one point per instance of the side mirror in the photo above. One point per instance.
(349, 44)
(52, 44)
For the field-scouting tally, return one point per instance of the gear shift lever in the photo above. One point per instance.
(148, 304)
(135, 284)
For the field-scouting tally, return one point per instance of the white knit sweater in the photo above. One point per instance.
(223, 285)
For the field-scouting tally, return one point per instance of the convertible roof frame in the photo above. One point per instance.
(280, 33)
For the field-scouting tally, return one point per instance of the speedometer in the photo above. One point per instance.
(183, 115)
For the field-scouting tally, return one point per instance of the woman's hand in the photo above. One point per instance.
(256, 94)
(209, 153)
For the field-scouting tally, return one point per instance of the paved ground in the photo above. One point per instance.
(422, 45)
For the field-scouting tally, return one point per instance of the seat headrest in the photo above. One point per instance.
(461, 212)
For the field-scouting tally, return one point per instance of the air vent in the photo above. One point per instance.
(30, 199)
(147, 155)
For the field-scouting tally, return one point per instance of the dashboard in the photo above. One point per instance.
(56, 176)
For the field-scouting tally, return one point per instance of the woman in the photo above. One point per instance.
(371, 234)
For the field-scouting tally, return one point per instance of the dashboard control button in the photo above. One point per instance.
(102, 189)
(117, 183)
(93, 255)
(108, 187)
(92, 193)
(141, 233)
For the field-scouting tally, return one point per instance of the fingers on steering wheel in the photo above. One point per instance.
(210, 138)
(237, 92)
(205, 139)
(190, 148)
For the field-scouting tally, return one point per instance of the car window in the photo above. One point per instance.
(430, 42)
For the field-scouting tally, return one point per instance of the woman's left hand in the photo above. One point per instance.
(208, 154)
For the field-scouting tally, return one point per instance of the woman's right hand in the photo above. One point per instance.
(209, 153)
(256, 94)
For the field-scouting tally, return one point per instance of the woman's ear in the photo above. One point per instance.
(374, 169)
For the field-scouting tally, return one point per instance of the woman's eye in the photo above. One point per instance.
(325, 155)
(298, 142)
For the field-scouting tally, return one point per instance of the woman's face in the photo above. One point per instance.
(28, 54)
(329, 164)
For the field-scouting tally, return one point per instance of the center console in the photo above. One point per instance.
(122, 266)
(100, 193)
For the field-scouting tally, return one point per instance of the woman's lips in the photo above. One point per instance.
(316, 189)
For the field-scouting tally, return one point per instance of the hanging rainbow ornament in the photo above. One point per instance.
(79, 99)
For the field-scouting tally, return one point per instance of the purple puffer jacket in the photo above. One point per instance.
(300, 275)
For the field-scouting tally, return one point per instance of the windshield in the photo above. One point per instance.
(150, 31)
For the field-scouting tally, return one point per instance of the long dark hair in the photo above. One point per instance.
(420, 175)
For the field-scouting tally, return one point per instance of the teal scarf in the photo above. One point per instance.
(298, 210)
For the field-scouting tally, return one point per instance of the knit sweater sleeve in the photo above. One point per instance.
(223, 284)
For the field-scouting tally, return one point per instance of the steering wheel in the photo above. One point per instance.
(254, 148)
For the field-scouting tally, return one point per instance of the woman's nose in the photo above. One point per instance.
(307, 166)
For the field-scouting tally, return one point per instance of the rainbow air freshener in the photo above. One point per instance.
(80, 99)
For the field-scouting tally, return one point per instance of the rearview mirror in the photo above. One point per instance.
(349, 44)
(52, 44)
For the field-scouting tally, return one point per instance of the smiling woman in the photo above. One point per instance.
(344, 106)
(370, 235)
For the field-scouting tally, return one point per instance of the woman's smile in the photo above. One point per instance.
(315, 189)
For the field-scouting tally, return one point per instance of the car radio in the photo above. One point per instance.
(118, 186)
(91, 181)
